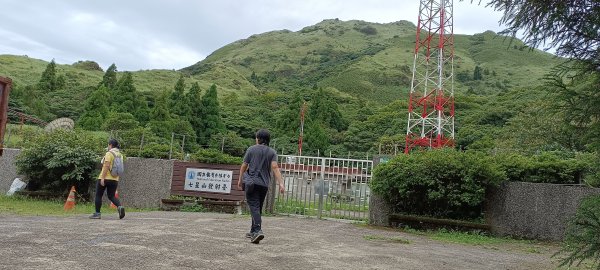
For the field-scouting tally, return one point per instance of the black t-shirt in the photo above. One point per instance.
(259, 158)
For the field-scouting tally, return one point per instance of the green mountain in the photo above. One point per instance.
(369, 61)
(363, 69)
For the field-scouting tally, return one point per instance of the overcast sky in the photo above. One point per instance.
(161, 34)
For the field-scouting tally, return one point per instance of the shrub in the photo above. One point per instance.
(233, 144)
(592, 175)
(546, 167)
(88, 65)
(154, 150)
(55, 161)
(119, 121)
(439, 183)
(215, 157)
(582, 238)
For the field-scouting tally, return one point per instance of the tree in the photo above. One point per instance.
(315, 138)
(95, 110)
(49, 82)
(324, 108)
(110, 77)
(118, 121)
(477, 74)
(194, 99)
(178, 104)
(570, 26)
(210, 122)
(55, 161)
(127, 100)
(160, 112)
(289, 119)
(574, 29)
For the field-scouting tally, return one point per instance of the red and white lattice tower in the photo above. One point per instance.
(431, 100)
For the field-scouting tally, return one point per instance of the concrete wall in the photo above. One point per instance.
(379, 211)
(530, 210)
(145, 183)
(8, 170)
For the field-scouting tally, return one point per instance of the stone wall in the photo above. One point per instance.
(8, 170)
(533, 210)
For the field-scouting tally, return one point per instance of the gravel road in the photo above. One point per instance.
(176, 240)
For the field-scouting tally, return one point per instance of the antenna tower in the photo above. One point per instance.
(431, 99)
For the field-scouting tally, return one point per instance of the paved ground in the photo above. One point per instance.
(175, 240)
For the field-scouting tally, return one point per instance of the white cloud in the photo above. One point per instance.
(150, 34)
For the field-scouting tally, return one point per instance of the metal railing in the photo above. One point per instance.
(325, 187)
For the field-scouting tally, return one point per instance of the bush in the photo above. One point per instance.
(55, 161)
(88, 65)
(119, 121)
(439, 183)
(233, 144)
(582, 238)
(153, 150)
(215, 157)
(547, 167)
(592, 175)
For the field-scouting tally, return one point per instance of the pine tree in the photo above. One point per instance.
(211, 122)
(110, 77)
(124, 95)
(477, 74)
(194, 100)
(95, 110)
(178, 104)
(315, 137)
(160, 112)
(324, 109)
(47, 82)
(289, 120)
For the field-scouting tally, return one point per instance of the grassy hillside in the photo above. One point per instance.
(367, 60)
(365, 67)
(371, 61)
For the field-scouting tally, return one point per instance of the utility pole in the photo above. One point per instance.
(302, 112)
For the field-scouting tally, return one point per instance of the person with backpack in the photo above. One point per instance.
(255, 174)
(112, 169)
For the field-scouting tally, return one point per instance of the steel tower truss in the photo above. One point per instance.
(431, 100)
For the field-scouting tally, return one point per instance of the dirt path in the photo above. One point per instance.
(174, 240)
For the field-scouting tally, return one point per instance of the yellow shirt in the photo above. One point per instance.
(108, 157)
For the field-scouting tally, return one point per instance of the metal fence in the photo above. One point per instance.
(325, 187)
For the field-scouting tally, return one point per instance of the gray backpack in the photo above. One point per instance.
(117, 167)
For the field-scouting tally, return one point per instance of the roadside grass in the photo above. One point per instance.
(19, 205)
(477, 238)
(386, 239)
(472, 238)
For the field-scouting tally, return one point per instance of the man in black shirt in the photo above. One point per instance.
(255, 174)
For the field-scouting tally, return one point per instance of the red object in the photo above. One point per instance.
(431, 99)
(5, 85)
(112, 205)
(302, 111)
(70, 203)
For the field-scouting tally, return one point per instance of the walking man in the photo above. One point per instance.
(108, 181)
(255, 174)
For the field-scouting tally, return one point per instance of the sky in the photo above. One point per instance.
(173, 34)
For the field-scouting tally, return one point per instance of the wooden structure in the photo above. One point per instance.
(234, 197)
(5, 86)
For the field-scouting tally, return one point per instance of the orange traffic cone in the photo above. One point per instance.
(112, 205)
(70, 203)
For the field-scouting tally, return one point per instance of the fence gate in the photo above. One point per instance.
(325, 187)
